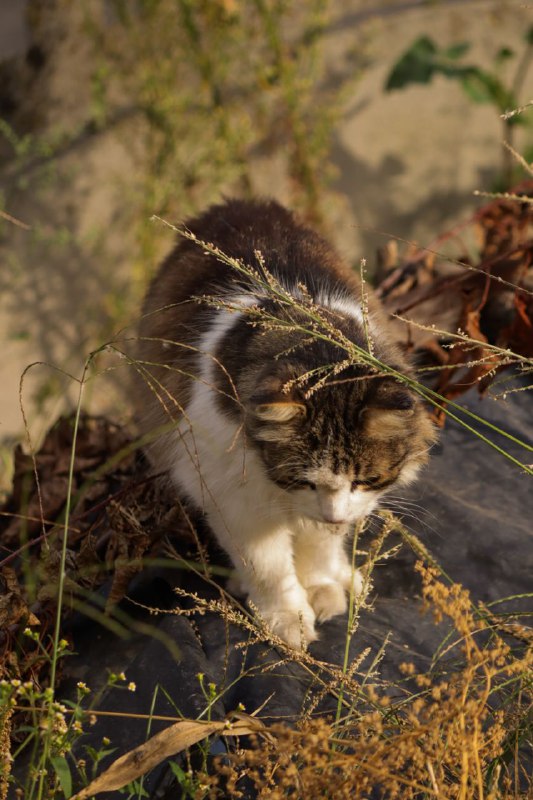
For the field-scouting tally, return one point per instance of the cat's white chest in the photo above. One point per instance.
(214, 465)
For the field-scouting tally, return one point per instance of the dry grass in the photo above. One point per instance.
(455, 734)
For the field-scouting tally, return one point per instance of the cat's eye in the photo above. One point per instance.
(307, 485)
(367, 482)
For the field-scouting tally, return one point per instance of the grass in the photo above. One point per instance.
(454, 731)
(440, 740)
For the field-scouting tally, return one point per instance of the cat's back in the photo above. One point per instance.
(240, 229)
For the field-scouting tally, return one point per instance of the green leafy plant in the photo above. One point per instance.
(424, 60)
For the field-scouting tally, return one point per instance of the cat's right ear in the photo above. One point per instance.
(385, 423)
(278, 411)
(388, 411)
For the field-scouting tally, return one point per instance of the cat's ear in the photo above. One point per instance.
(387, 413)
(278, 411)
(271, 402)
(381, 423)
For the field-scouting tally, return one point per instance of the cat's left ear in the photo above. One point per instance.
(278, 411)
(271, 402)
(387, 413)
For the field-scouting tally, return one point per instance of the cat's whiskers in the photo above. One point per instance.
(408, 505)
(397, 504)
(416, 515)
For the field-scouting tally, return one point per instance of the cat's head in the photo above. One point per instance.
(338, 449)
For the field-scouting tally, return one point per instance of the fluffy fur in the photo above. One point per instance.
(281, 462)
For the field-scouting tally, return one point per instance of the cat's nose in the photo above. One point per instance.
(333, 507)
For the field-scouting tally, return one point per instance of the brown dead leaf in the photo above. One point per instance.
(167, 743)
(30, 520)
(13, 608)
(502, 224)
(519, 335)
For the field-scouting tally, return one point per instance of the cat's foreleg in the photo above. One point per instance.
(265, 571)
(324, 570)
(260, 546)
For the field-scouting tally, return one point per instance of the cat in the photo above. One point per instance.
(279, 440)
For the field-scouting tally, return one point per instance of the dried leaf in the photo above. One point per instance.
(167, 743)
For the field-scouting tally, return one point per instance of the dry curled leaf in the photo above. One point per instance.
(105, 472)
(487, 299)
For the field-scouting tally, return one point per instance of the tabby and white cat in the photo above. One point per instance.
(280, 455)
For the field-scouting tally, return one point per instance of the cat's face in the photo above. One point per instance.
(337, 452)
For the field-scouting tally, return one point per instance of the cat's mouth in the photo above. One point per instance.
(334, 523)
(336, 526)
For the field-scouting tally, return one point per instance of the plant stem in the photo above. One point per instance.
(349, 629)
(61, 590)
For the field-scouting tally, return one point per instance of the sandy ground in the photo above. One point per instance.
(407, 164)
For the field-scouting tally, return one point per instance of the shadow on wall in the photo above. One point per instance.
(14, 35)
(375, 207)
(66, 283)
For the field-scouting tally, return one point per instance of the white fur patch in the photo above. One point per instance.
(224, 319)
(408, 473)
(333, 500)
(205, 436)
(343, 303)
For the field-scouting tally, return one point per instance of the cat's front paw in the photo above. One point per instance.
(327, 600)
(297, 628)
(352, 581)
